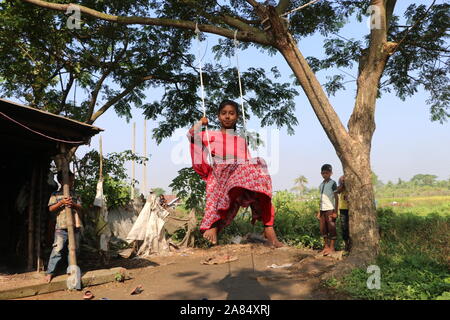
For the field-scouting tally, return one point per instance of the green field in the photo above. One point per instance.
(418, 205)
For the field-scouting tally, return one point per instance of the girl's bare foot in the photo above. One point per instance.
(271, 237)
(211, 235)
(326, 251)
(276, 244)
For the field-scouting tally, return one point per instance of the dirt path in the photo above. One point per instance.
(182, 276)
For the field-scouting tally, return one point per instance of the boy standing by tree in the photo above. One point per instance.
(57, 204)
(327, 212)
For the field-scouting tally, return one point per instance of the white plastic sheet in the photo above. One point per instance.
(121, 220)
(100, 201)
(149, 228)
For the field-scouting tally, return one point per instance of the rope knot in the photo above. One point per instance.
(197, 30)
(236, 42)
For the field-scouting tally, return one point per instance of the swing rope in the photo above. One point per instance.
(236, 53)
(197, 31)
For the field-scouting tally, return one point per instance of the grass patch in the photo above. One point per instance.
(413, 259)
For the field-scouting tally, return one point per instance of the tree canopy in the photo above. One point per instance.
(114, 65)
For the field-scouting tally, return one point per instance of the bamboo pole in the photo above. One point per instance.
(101, 157)
(31, 220)
(133, 173)
(145, 163)
(100, 210)
(68, 210)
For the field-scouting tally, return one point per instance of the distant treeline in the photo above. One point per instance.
(419, 185)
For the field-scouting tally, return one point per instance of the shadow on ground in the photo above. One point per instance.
(238, 285)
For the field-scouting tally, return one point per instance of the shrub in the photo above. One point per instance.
(413, 259)
(295, 222)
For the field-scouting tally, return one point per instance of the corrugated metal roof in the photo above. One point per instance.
(20, 118)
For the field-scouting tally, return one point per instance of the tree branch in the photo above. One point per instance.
(282, 6)
(417, 44)
(98, 86)
(372, 64)
(378, 34)
(94, 94)
(66, 92)
(114, 100)
(250, 22)
(232, 21)
(390, 5)
(60, 80)
(237, 23)
(319, 101)
(253, 3)
(245, 36)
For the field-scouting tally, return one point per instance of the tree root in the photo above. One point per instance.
(344, 267)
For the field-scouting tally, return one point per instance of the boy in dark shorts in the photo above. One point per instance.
(328, 210)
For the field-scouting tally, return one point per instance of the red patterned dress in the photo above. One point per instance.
(234, 180)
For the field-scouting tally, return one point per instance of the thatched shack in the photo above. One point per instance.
(29, 139)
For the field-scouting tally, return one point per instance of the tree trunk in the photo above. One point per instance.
(363, 221)
(352, 148)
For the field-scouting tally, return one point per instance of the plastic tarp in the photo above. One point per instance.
(175, 221)
(102, 225)
(121, 220)
(149, 228)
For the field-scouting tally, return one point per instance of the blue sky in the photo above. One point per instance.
(405, 142)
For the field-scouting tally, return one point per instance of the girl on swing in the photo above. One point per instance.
(234, 180)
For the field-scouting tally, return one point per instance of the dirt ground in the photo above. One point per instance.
(182, 275)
